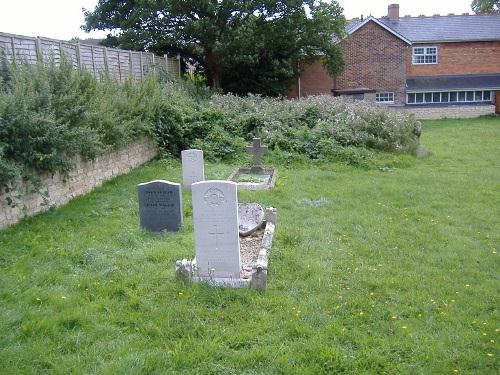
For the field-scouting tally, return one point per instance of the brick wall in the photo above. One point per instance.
(82, 179)
(375, 59)
(454, 111)
(458, 58)
(314, 80)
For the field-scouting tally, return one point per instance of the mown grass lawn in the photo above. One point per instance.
(391, 270)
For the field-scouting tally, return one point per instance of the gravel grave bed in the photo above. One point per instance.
(249, 249)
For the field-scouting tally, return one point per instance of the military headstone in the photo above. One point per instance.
(193, 168)
(215, 217)
(160, 206)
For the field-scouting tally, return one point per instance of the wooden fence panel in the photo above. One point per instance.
(174, 66)
(118, 64)
(25, 49)
(136, 66)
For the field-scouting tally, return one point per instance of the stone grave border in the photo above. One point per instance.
(186, 269)
(268, 185)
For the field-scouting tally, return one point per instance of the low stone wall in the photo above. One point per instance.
(82, 179)
(452, 111)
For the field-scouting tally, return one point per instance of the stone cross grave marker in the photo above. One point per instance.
(215, 217)
(257, 151)
(193, 168)
(160, 206)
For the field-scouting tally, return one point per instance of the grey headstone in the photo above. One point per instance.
(251, 217)
(193, 167)
(160, 206)
(215, 217)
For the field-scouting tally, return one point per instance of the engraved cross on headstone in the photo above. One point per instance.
(215, 233)
(257, 151)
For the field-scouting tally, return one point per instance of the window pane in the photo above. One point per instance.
(419, 97)
(418, 59)
(470, 96)
(425, 55)
(436, 97)
(486, 95)
(430, 59)
(411, 98)
(384, 97)
(453, 96)
(461, 96)
(428, 97)
(445, 97)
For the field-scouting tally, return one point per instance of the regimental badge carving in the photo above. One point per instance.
(214, 197)
(192, 156)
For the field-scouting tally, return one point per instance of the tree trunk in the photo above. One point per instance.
(213, 70)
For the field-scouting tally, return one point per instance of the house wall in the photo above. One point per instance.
(314, 80)
(375, 59)
(82, 179)
(458, 58)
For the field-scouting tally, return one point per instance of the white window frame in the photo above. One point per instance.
(424, 55)
(448, 95)
(384, 97)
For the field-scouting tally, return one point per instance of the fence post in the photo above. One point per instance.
(142, 67)
(13, 49)
(60, 53)
(93, 61)
(131, 71)
(119, 66)
(38, 50)
(78, 56)
(106, 66)
(179, 63)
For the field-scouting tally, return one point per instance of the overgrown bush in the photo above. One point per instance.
(48, 114)
(319, 126)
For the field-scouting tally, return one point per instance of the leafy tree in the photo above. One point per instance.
(242, 45)
(486, 6)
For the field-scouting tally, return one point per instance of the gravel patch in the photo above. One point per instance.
(249, 250)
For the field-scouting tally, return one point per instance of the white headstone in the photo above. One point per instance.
(215, 217)
(193, 168)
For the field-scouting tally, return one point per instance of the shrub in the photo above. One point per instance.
(317, 126)
(48, 114)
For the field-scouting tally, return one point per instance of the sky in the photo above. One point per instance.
(61, 19)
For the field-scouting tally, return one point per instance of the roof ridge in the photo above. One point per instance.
(439, 15)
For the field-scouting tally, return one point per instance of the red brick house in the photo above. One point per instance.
(432, 66)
